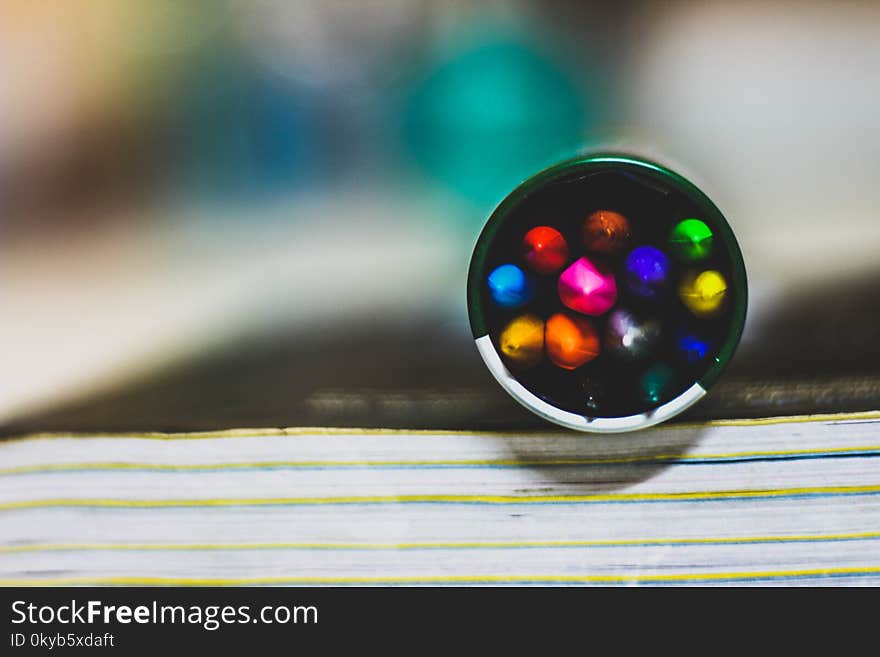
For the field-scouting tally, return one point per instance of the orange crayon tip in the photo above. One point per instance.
(570, 341)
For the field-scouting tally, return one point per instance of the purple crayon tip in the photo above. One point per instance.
(646, 272)
(587, 288)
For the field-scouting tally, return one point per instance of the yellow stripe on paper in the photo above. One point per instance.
(635, 578)
(654, 458)
(447, 499)
(435, 545)
(366, 432)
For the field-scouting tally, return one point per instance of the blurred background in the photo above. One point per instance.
(253, 213)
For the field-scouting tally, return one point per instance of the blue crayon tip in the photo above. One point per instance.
(692, 348)
(510, 287)
(646, 271)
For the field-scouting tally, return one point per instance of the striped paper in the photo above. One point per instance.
(776, 501)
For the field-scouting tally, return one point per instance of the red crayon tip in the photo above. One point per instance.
(545, 250)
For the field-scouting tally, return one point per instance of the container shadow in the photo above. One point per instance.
(583, 464)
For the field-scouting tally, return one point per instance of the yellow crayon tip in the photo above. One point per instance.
(703, 293)
(522, 340)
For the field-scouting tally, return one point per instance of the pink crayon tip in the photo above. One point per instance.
(586, 288)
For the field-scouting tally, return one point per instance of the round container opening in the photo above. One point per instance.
(607, 293)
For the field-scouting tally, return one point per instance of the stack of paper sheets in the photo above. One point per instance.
(775, 501)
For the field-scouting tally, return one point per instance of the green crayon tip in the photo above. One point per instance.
(691, 240)
(657, 382)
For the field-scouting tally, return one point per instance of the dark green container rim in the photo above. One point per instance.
(593, 163)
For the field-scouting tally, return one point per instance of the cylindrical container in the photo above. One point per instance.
(607, 293)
